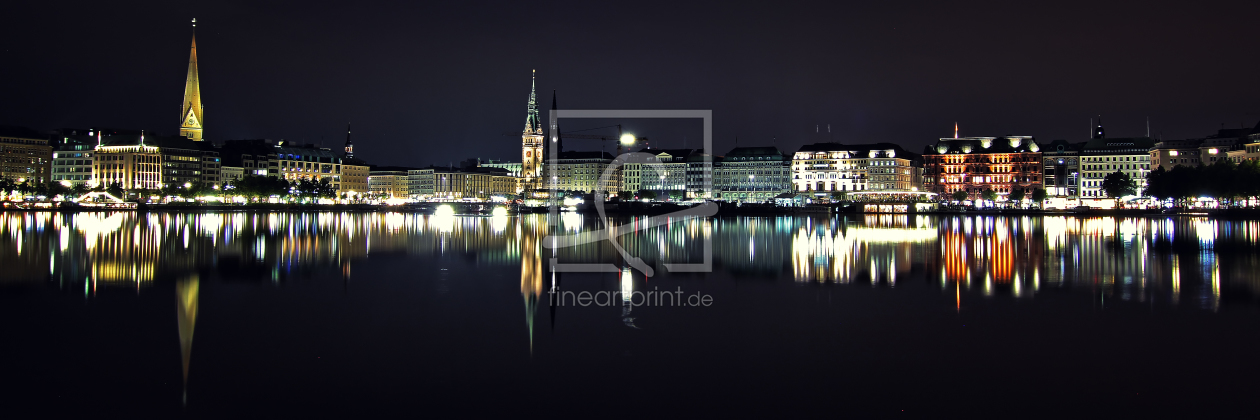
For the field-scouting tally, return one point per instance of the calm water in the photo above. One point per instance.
(352, 314)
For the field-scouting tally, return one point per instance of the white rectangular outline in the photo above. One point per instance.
(554, 210)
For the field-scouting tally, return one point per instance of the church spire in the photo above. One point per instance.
(349, 145)
(556, 142)
(192, 118)
(532, 124)
(532, 141)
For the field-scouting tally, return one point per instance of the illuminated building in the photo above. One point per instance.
(582, 171)
(346, 175)
(192, 117)
(147, 161)
(976, 164)
(1170, 153)
(752, 174)
(532, 143)
(420, 185)
(479, 183)
(1228, 143)
(389, 182)
(672, 175)
(699, 175)
(25, 156)
(231, 173)
(1062, 163)
(1102, 156)
(833, 167)
(253, 157)
(513, 168)
(72, 160)
(354, 176)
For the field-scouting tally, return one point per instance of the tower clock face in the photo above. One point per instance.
(529, 153)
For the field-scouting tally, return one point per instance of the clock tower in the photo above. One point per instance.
(532, 142)
(192, 118)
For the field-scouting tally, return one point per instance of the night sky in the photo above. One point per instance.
(433, 82)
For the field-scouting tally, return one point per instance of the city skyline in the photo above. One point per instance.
(462, 114)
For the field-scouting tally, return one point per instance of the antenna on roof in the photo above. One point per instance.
(1148, 127)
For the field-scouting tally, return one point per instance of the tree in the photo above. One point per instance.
(839, 196)
(960, 195)
(625, 195)
(1039, 195)
(115, 190)
(1157, 184)
(988, 194)
(676, 195)
(647, 194)
(55, 189)
(1017, 195)
(1118, 184)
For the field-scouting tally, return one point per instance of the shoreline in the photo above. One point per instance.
(642, 209)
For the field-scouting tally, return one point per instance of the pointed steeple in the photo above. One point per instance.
(532, 141)
(191, 118)
(349, 145)
(533, 125)
(556, 142)
(1098, 131)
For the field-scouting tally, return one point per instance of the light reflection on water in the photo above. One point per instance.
(1181, 263)
(1129, 259)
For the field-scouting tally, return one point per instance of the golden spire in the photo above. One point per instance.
(191, 118)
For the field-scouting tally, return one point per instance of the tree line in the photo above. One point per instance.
(253, 187)
(1224, 180)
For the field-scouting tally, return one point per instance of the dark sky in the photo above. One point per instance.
(431, 82)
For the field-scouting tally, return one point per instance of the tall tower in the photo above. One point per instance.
(349, 145)
(555, 143)
(532, 141)
(1098, 131)
(192, 118)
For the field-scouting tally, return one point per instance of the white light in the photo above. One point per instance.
(627, 139)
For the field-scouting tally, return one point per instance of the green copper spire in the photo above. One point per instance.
(533, 125)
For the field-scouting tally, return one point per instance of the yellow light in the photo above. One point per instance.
(627, 139)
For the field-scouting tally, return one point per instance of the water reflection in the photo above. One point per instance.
(1128, 259)
(1194, 263)
(186, 292)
